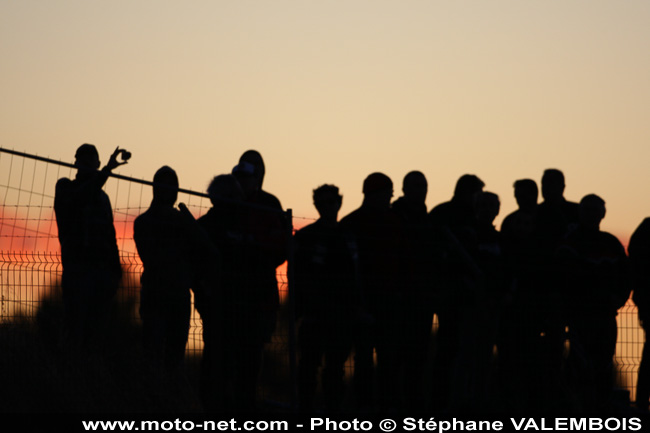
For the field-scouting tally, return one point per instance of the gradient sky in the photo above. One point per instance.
(330, 91)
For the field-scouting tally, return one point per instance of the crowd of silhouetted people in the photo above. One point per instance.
(526, 315)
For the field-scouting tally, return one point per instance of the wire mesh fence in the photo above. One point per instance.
(30, 262)
(30, 258)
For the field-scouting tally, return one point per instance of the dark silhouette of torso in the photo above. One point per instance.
(377, 231)
(85, 222)
(326, 301)
(325, 273)
(266, 228)
(89, 253)
(163, 237)
(596, 281)
(379, 239)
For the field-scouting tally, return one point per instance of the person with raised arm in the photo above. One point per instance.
(89, 253)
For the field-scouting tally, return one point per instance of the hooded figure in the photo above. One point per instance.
(168, 241)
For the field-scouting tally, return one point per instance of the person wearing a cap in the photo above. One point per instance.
(379, 239)
(89, 253)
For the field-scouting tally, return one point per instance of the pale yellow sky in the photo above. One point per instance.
(331, 91)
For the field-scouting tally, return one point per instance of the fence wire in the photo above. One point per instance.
(30, 258)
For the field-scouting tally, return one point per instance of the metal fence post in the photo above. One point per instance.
(292, 311)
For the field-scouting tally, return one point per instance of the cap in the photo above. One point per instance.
(244, 169)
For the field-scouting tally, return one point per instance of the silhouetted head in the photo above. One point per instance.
(224, 186)
(327, 201)
(487, 207)
(592, 211)
(255, 158)
(553, 185)
(377, 191)
(415, 187)
(244, 172)
(467, 186)
(87, 157)
(526, 193)
(250, 172)
(165, 186)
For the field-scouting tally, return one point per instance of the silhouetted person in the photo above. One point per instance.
(378, 234)
(597, 286)
(557, 215)
(556, 218)
(326, 300)
(266, 231)
(480, 310)
(455, 222)
(639, 251)
(518, 227)
(521, 323)
(229, 353)
(422, 257)
(89, 254)
(167, 240)
(488, 250)
(458, 212)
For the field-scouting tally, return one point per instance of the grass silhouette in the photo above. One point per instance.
(41, 370)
